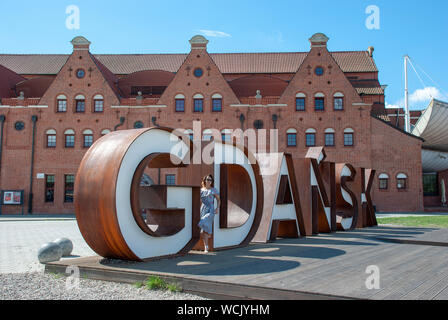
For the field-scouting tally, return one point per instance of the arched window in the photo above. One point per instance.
(198, 103)
(310, 135)
(189, 133)
(207, 135)
(105, 131)
(51, 138)
(329, 137)
(80, 103)
(300, 101)
(349, 140)
(319, 102)
(338, 101)
(402, 180)
(216, 102)
(179, 101)
(226, 135)
(61, 103)
(69, 138)
(87, 138)
(291, 137)
(383, 181)
(98, 103)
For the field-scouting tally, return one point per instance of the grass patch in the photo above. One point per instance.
(157, 283)
(427, 222)
(56, 275)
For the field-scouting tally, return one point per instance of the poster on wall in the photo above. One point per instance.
(12, 197)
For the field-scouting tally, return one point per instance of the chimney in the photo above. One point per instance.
(198, 42)
(80, 43)
(370, 51)
(319, 40)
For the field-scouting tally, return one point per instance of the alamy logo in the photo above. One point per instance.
(72, 281)
(373, 20)
(73, 20)
(373, 280)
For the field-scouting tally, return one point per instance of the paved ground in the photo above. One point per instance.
(411, 264)
(20, 240)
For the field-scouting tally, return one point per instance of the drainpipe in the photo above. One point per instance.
(2, 121)
(30, 200)
(120, 124)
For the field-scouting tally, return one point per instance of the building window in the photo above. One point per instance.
(226, 135)
(292, 139)
(69, 138)
(69, 187)
(383, 181)
(88, 140)
(49, 188)
(104, 132)
(69, 141)
(198, 72)
(319, 71)
(430, 184)
(338, 103)
(310, 139)
(319, 104)
(402, 181)
(80, 102)
(207, 135)
(170, 179)
(198, 105)
(98, 103)
(300, 104)
(62, 103)
(51, 138)
(180, 105)
(348, 139)
(217, 105)
(329, 139)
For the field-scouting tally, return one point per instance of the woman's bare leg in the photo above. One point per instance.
(205, 237)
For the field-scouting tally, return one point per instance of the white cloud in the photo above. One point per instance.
(213, 33)
(420, 98)
(425, 95)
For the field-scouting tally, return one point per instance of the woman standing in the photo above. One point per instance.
(208, 195)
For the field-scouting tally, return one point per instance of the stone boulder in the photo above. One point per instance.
(66, 246)
(49, 252)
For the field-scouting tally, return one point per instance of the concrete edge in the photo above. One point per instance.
(204, 288)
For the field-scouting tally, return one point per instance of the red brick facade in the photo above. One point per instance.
(376, 144)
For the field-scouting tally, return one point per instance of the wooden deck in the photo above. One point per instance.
(413, 264)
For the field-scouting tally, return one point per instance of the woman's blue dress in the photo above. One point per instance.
(207, 209)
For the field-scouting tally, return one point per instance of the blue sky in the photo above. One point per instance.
(416, 28)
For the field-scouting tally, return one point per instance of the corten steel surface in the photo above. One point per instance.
(236, 196)
(246, 185)
(367, 207)
(288, 191)
(344, 209)
(95, 199)
(169, 221)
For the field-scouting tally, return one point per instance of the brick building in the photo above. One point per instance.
(53, 107)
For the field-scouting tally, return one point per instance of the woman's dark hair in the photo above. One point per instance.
(203, 182)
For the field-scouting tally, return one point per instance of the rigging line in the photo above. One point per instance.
(435, 83)
(421, 80)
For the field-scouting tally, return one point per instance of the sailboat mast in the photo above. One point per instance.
(407, 118)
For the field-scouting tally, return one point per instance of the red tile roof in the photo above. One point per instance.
(288, 62)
